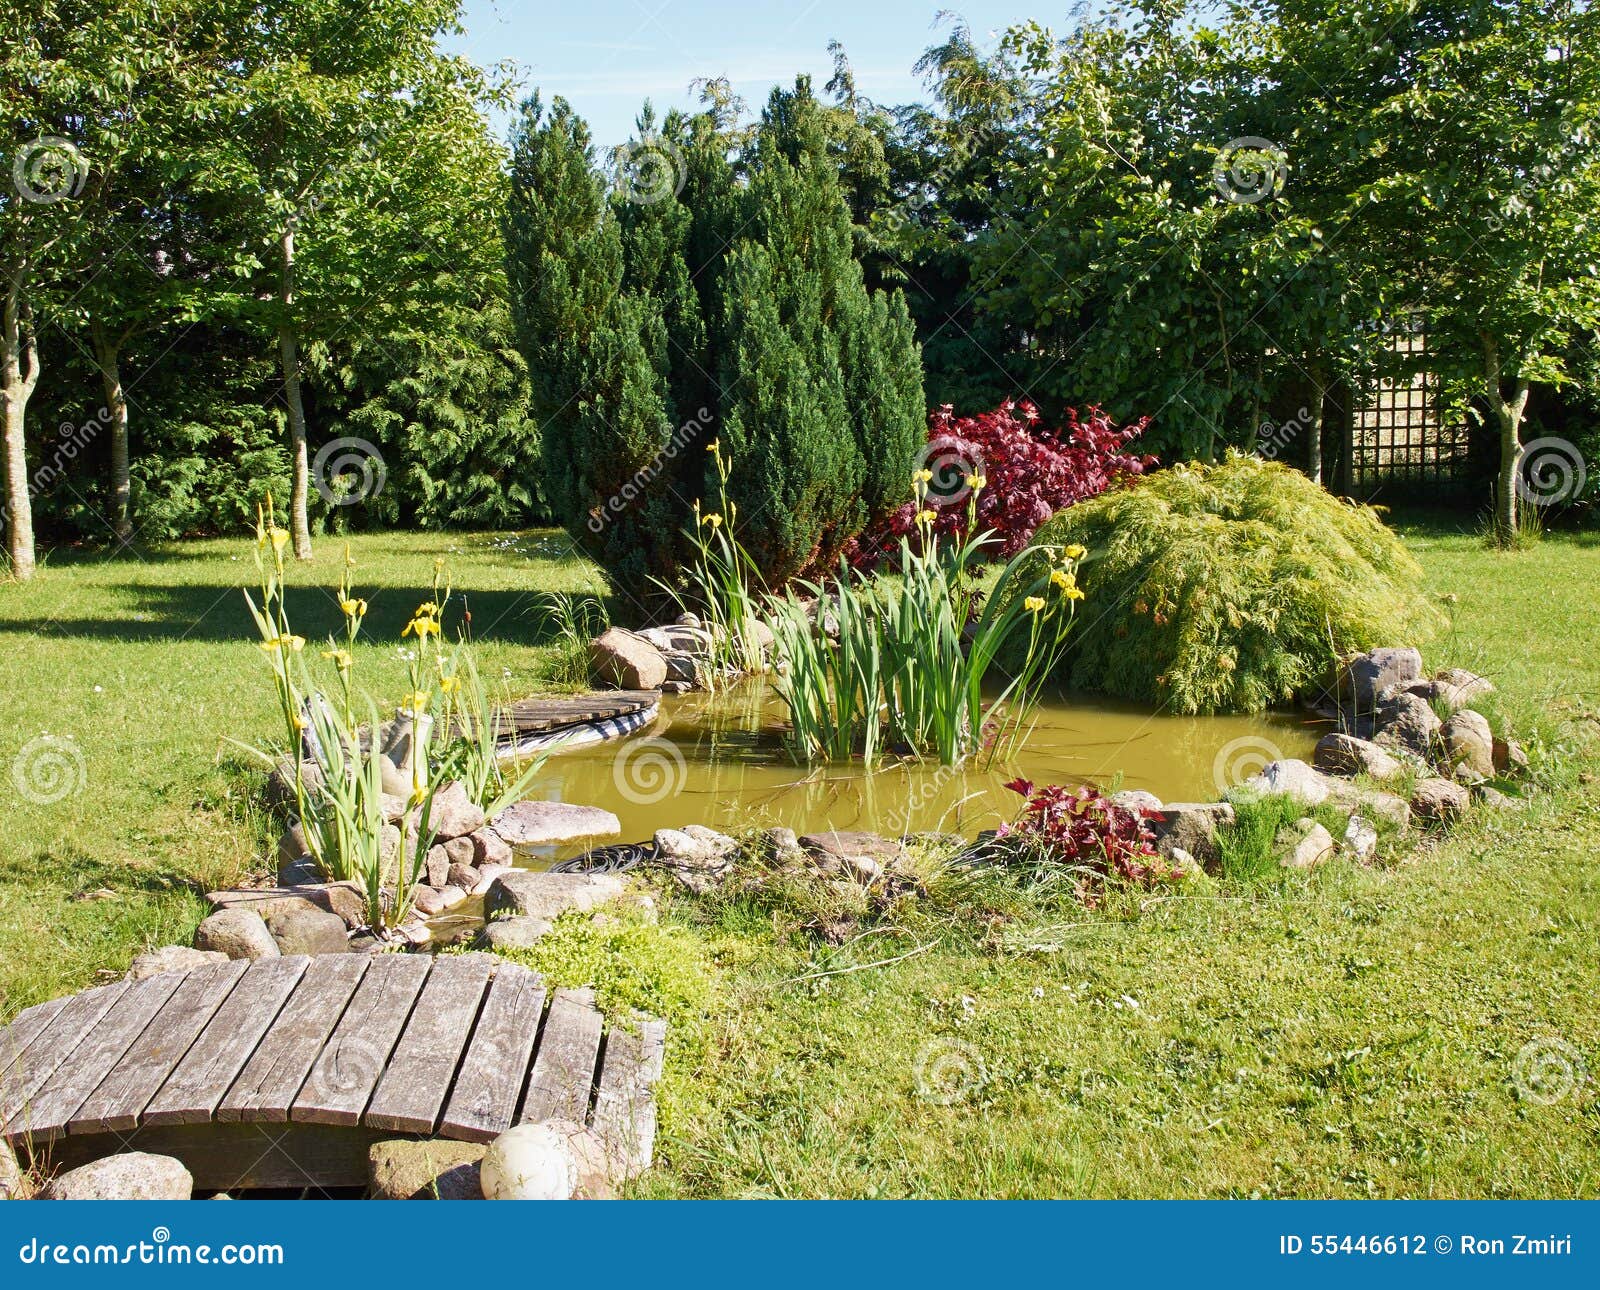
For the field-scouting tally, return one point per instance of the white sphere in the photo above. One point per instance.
(529, 1162)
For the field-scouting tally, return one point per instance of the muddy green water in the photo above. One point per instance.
(718, 760)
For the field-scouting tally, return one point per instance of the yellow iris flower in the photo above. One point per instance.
(273, 644)
(354, 608)
(340, 657)
(1074, 552)
(714, 521)
(922, 477)
(422, 626)
(927, 517)
(1033, 604)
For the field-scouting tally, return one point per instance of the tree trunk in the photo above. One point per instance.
(1508, 418)
(107, 356)
(1319, 396)
(19, 373)
(289, 357)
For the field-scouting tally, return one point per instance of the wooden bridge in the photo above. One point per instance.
(281, 1072)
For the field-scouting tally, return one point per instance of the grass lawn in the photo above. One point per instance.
(1351, 1033)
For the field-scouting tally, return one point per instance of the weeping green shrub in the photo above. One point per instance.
(1232, 587)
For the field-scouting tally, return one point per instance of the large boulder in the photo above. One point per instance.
(133, 1175)
(550, 823)
(238, 933)
(520, 932)
(1304, 844)
(699, 857)
(1459, 687)
(550, 1160)
(1361, 838)
(1408, 723)
(1310, 787)
(549, 895)
(309, 931)
(859, 854)
(1339, 754)
(1439, 801)
(627, 661)
(453, 814)
(173, 958)
(1191, 827)
(488, 847)
(1369, 677)
(432, 1169)
(1468, 744)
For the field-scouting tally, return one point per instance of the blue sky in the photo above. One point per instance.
(607, 56)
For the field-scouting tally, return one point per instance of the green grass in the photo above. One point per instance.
(1351, 1032)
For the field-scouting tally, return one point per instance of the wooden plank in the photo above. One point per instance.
(24, 1029)
(54, 1044)
(48, 1110)
(483, 1103)
(564, 1069)
(194, 1088)
(414, 1087)
(122, 1096)
(352, 1062)
(266, 1088)
(625, 1102)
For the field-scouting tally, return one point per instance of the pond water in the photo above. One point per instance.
(718, 760)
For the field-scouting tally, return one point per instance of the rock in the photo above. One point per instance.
(1439, 801)
(261, 900)
(1361, 838)
(1459, 687)
(426, 900)
(680, 668)
(548, 823)
(486, 877)
(1509, 758)
(530, 1162)
(432, 1169)
(516, 933)
(488, 847)
(309, 931)
(280, 783)
(1310, 787)
(238, 933)
(757, 630)
(549, 895)
(389, 840)
(839, 852)
(1136, 799)
(700, 858)
(679, 639)
(1368, 677)
(1408, 723)
(627, 661)
(464, 876)
(1468, 742)
(10, 1173)
(133, 1175)
(785, 850)
(452, 895)
(1191, 826)
(345, 899)
(393, 806)
(292, 846)
(676, 687)
(461, 850)
(436, 867)
(1495, 800)
(1304, 844)
(299, 872)
(453, 814)
(1292, 778)
(1338, 754)
(1186, 864)
(173, 958)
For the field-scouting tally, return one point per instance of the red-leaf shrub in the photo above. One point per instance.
(1085, 829)
(1028, 472)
